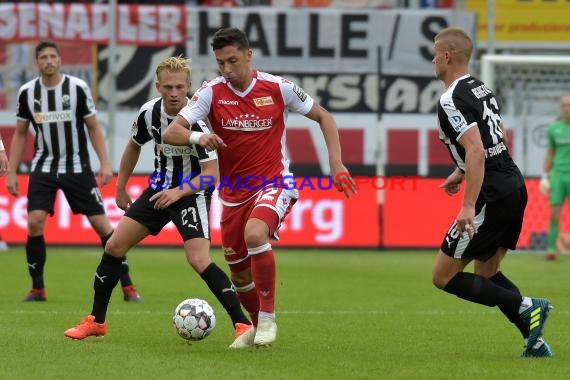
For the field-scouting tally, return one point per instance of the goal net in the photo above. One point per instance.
(529, 88)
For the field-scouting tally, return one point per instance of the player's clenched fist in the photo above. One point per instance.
(210, 141)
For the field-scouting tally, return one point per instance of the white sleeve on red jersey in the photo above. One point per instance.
(296, 99)
(198, 107)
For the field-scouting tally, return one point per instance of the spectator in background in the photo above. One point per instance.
(59, 107)
(556, 177)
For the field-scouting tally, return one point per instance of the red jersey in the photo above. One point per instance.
(252, 125)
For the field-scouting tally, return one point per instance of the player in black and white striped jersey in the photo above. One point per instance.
(180, 191)
(62, 112)
(492, 211)
(175, 163)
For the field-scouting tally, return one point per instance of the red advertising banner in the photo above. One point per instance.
(320, 218)
(155, 25)
(421, 218)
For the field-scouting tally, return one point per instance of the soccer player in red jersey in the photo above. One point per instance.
(247, 110)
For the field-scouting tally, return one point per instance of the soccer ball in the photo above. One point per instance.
(194, 319)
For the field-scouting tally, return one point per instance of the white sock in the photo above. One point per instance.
(525, 304)
(266, 315)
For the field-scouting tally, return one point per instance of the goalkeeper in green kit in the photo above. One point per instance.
(556, 177)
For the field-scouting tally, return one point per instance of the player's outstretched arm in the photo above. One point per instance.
(177, 132)
(341, 177)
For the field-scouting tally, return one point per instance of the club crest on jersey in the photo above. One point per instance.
(66, 101)
(265, 101)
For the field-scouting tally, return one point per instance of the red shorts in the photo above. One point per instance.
(270, 205)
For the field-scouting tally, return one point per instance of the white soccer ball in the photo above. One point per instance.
(194, 319)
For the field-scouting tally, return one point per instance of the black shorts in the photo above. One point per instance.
(499, 225)
(190, 215)
(80, 190)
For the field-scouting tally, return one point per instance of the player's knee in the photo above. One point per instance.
(114, 248)
(439, 282)
(255, 237)
(35, 226)
(199, 262)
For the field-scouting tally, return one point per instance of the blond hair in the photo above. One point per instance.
(175, 65)
(456, 41)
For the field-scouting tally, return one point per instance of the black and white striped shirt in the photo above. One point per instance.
(468, 103)
(57, 115)
(177, 163)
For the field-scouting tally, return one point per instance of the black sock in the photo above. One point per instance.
(500, 279)
(106, 278)
(478, 289)
(125, 277)
(36, 257)
(220, 285)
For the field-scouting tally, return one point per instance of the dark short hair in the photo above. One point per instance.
(230, 37)
(44, 45)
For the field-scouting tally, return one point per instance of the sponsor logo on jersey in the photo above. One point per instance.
(300, 93)
(178, 150)
(457, 121)
(247, 123)
(228, 102)
(52, 117)
(265, 101)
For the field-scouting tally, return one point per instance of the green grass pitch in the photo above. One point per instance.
(341, 315)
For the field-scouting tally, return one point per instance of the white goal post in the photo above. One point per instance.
(529, 88)
(489, 60)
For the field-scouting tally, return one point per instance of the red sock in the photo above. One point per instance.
(263, 273)
(250, 301)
